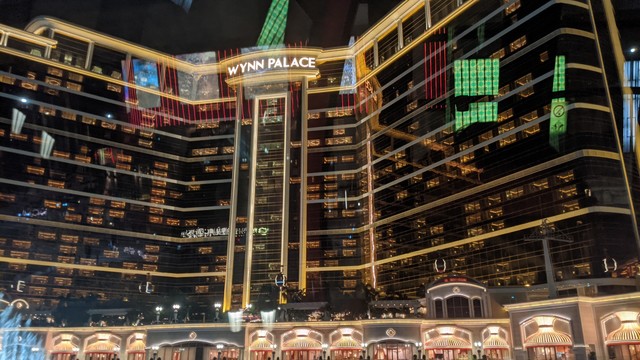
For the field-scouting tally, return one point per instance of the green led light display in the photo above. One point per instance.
(558, 117)
(558, 123)
(275, 24)
(480, 112)
(476, 77)
(558, 74)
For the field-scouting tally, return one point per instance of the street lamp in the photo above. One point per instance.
(158, 311)
(219, 347)
(419, 347)
(364, 350)
(217, 307)
(478, 346)
(176, 308)
(155, 351)
(324, 351)
(273, 351)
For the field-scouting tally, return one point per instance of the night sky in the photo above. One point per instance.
(209, 25)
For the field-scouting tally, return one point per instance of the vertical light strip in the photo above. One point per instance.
(233, 212)
(302, 279)
(246, 283)
(427, 10)
(286, 156)
(372, 233)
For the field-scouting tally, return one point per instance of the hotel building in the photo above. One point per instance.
(484, 139)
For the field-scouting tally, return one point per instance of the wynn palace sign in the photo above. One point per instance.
(271, 65)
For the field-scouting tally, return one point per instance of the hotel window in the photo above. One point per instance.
(431, 183)
(505, 115)
(59, 281)
(531, 130)
(497, 225)
(21, 244)
(485, 137)
(495, 212)
(348, 252)
(91, 241)
(73, 86)
(518, 43)
(436, 229)
(544, 56)
(506, 127)
(565, 177)
(508, 140)
(46, 235)
(205, 250)
(504, 90)
(37, 291)
(402, 195)
(147, 267)
(540, 184)
(511, 8)
(526, 92)
(475, 231)
(498, 54)
(568, 191)
(330, 253)
(39, 280)
(514, 193)
(473, 218)
(67, 250)
(570, 206)
(349, 243)
(472, 206)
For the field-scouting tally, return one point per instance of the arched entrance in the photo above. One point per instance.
(136, 346)
(547, 338)
(623, 335)
(301, 344)
(65, 347)
(448, 343)
(262, 345)
(346, 344)
(102, 346)
(495, 343)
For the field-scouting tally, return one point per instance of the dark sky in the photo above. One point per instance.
(209, 24)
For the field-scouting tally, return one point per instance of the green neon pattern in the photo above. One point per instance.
(558, 117)
(558, 123)
(476, 77)
(480, 112)
(558, 74)
(275, 24)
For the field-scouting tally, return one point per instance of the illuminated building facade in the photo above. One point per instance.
(435, 144)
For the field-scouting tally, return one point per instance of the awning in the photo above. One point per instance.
(136, 346)
(495, 342)
(64, 347)
(346, 342)
(447, 342)
(261, 344)
(548, 337)
(627, 333)
(101, 346)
